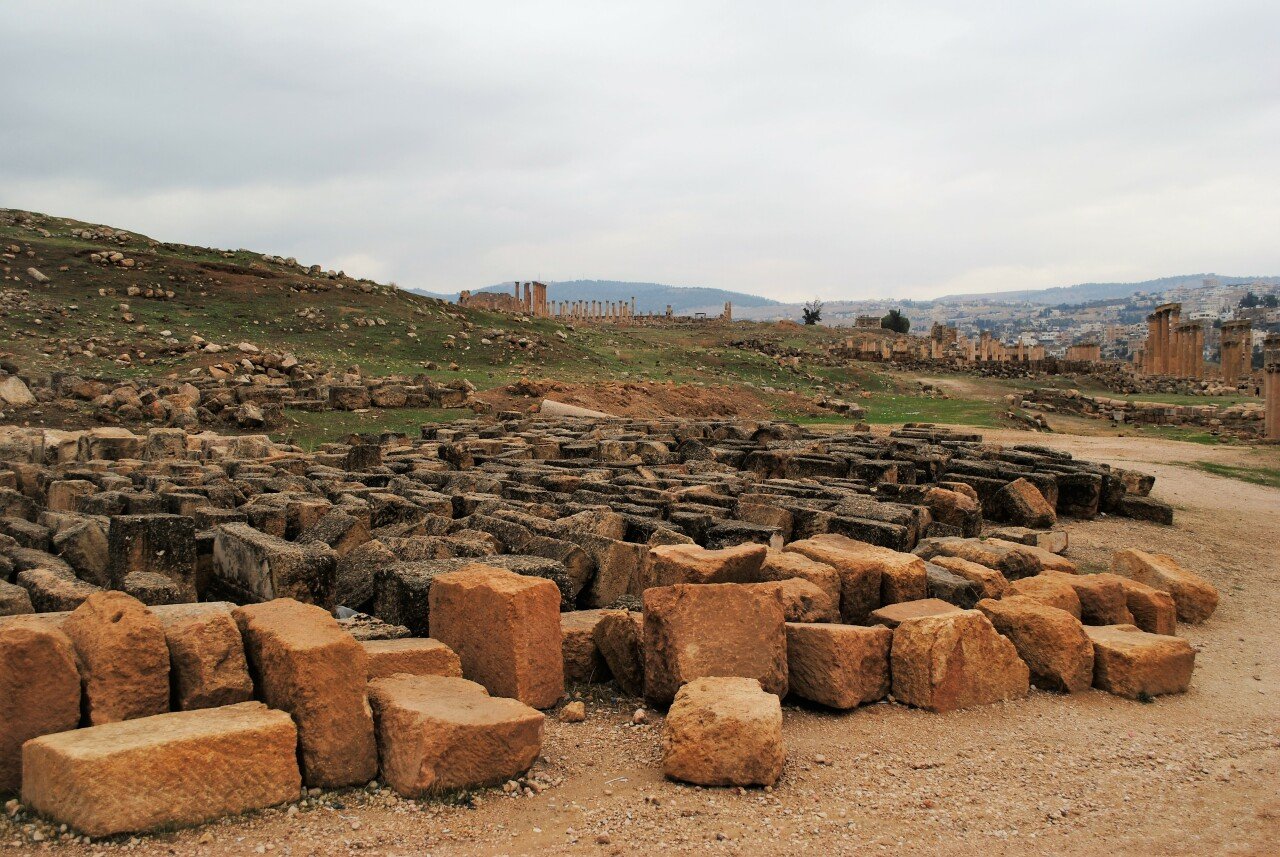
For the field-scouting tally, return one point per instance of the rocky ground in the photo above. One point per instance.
(1048, 774)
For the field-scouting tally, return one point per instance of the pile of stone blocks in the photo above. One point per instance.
(711, 567)
(119, 717)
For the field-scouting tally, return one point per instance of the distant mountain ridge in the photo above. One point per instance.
(1084, 292)
(650, 297)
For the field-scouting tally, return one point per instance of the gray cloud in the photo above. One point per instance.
(838, 149)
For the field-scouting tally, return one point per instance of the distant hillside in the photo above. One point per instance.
(650, 297)
(1084, 292)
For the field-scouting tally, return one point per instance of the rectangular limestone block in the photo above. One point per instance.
(1051, 641)
(1102, 598)
(955, 660)
(619, 637)
(583, 663)
(801, 600)
(167, 770)
(839, 666)
(1153, 610)
(992, 583)
(437, 733)
(305, 664)
(411, 655)
(254, 566)
(1195, 597)
(1129, 662)
(712, 629)
(723, 731)
(14, 600)
(52, 591)
(785, 565)
(859, 581)
(159, 544)
(122, 656)
(505, 627)
(206, 655)
(871, 576)
(1011, 559)
(39, 690)
(671, 564)
(1052, 589)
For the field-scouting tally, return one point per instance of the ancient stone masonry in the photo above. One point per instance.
(1271, 382)
(1244, 420)
(1085, 352)
(714, 567)
(534, 303)
(1173, 347)
(1237, 350)
(944, 344)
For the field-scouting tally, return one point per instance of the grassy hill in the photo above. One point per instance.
(82, 319)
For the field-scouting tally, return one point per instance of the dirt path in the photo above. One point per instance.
(1087, 774)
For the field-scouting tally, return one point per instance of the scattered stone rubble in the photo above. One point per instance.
(1243, 420)
(250, 391)
(172, 649)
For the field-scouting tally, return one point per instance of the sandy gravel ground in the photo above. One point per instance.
(1088, 774)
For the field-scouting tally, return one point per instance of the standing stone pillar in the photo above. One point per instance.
(1271, 388)
(1148, 365)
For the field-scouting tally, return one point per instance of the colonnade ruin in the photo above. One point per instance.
(531, 299)
(1174, 347)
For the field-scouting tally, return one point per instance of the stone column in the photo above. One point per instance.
(1179, 352)
(1198, 349)
(1271, 388)
(1152, 343)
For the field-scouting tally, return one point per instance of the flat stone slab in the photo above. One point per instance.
(893, 615)
(172, 769)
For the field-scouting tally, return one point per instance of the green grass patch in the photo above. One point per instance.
(892, 408)
(1268, 476)
(310, 430)
(1186, 435)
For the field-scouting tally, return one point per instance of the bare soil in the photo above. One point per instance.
(1048, 774)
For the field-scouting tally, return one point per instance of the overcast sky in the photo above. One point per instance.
(844, 149)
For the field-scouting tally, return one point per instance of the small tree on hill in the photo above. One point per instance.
(813, 311)
(1249, 301)
(1271, 301)
(896, 321)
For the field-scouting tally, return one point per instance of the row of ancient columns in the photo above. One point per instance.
(608, 311)
(1174, 347)
(1271, 385)
(1237, 350)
